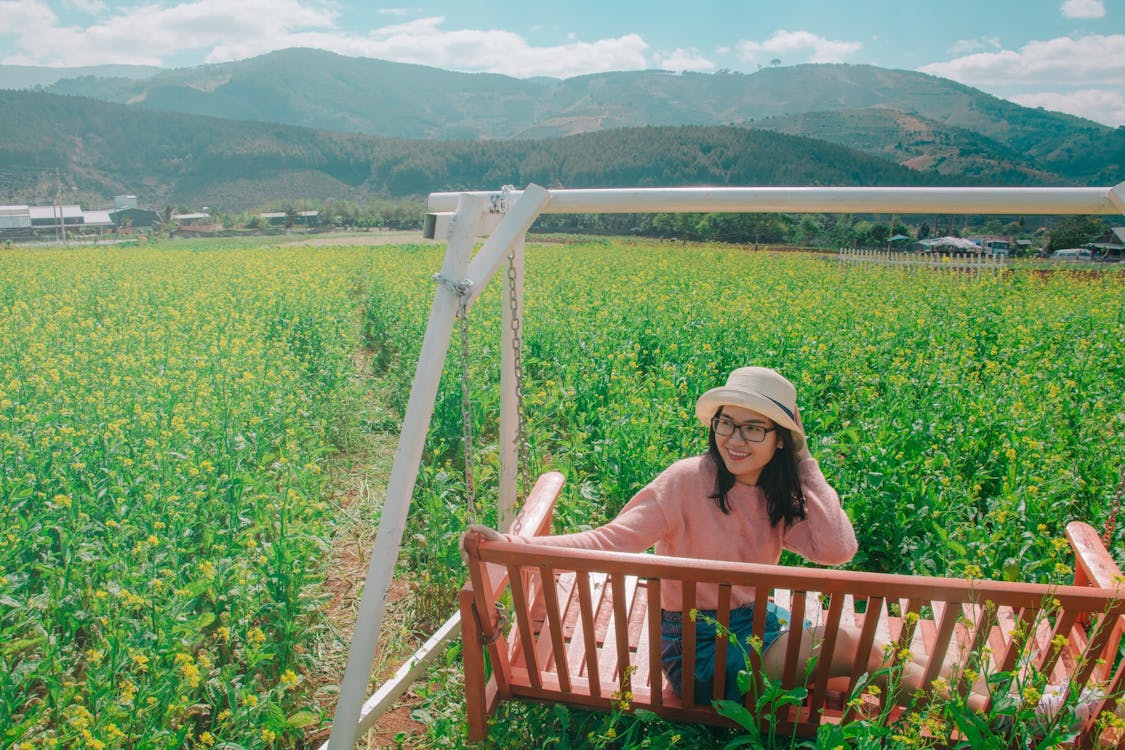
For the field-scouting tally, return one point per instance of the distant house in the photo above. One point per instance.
(1110, 246)
(97, 219)
(195, 222)
(946, 245)
(991, 243)
(300, 218)
(47, 217)
(15, 221)
(137, 218)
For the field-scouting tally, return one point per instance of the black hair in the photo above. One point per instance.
(779, 482)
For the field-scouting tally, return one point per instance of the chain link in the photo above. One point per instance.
(467, 413)
(523, 450)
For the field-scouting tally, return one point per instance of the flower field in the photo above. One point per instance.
(167, 414)
(164, 417)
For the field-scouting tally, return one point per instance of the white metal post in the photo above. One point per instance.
(509, 385)
(404, 473)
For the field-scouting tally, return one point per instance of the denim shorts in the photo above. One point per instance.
(741, 627)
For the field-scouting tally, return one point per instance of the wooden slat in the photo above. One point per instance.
(793, 641)
(1019, 636)
(621, 597)
(722, 614)
(656, 670)
(1051, 657)
(984, 624)
(523, 623)
(687, 671)
(827, 648)
(758, 631)
(939, 647)
(554, 624)
(588, 642)
(640, 635)
(872, 615)
(1101, 635)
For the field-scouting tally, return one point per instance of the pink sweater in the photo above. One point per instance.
(675, 516)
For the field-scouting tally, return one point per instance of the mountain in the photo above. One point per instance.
(32, 76)
(90, 150)
(322, 90)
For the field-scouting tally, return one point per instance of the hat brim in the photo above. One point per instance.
(710, 402)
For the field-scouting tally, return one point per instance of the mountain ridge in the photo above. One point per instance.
(324, 90)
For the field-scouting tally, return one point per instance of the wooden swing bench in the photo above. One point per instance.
(586, 629)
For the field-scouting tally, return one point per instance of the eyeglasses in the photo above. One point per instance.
(751, 433)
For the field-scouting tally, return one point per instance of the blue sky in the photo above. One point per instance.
(1065, 55)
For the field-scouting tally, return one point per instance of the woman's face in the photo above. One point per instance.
(745, 459)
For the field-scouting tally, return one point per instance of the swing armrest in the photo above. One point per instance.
(1093, 565)
(535, 517)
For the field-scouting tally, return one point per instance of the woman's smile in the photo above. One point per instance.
(746, 459)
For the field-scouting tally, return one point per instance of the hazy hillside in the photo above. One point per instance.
(914, 141)
(31, 76)
(323, 90)
(101, 149)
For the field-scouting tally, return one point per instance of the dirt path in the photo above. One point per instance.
(358, 488)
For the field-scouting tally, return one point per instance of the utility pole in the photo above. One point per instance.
(58, 202)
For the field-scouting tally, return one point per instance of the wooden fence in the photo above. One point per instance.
(971, 264)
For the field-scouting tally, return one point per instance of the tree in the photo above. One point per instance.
(1075, 231)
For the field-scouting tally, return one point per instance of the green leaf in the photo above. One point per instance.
(303, 718)
(738, 713)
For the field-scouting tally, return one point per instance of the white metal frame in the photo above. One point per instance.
(504, 217)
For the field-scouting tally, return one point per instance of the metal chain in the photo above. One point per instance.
(467, 413)
(523, 451)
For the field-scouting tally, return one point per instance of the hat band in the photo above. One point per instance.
(779, 405)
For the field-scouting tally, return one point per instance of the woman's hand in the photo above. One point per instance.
(489, 534)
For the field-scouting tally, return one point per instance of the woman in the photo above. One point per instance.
(756, 492)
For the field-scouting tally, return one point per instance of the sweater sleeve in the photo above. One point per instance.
(825, 536)
(639, 525)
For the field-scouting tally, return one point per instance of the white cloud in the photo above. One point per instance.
(494, 51)
(681, 60)
(1084, 76)
(148, 34)
(26, 19)
(224, 31)
(1086, 60)
(1100, 105)
(1083, 9)
(808, 46)
(392, 11)
(969, 46)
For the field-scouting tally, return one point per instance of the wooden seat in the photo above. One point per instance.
(583, 627)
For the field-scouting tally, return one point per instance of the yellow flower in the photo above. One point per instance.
(288, 678)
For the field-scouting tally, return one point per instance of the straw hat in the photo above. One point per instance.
(760, 390)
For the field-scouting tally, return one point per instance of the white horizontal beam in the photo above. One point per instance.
(902, 200)
(409, 673)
